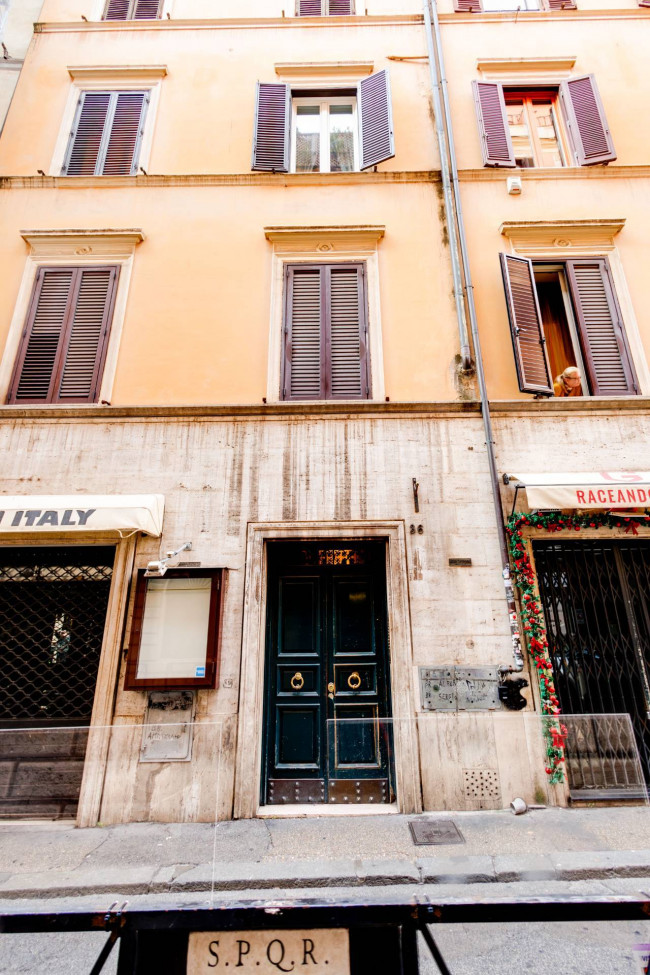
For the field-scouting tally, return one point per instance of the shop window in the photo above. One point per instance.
(561, 126)
(336, 130)
(324, 8)
(324, 135)
(132, 9)
(175, 631)
(325, 333)
(566, 316)
(63, 346)
(106, 134)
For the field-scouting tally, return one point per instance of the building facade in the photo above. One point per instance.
(235, 316)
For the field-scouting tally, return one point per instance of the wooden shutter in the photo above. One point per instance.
(146, 9)
(644, 3)
(123, 149)
(376, 142)
(468, 6)
(527, 332)
(561, 5)
(63, 346)
(325, 333)
(494, 132)
(586, 121)
(309, 8)
(117, 10)
(602, 335)
(340, 8)
(132, 9)
(86, 136)
(272, 123)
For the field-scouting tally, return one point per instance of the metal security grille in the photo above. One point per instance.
(53, 604)
(595, 597)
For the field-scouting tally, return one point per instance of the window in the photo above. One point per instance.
(327, 132)
(323, 136)
(175, 632)
(132, 9)
(535, 128)
(541, 126)
(500, 6)
(106, 134)
(325, 332)
(63, 345)
(567, 314)
(324, 8)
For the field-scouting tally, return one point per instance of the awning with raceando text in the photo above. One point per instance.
(599, 489)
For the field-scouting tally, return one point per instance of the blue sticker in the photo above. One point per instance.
(200, 672)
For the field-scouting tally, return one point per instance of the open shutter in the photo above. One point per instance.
(526, 328)
(117, 10)
(123, 148)
(146, 9)
(303, 333)
(468, 6)
(586, 121)
(347, 333)
(644, 3)
(376, 140)
(602, 335)
(496, 144)
(64, 342)
(86, 136)
(309, 8)
(272, 122)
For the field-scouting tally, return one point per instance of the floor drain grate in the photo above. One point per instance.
(434, 832)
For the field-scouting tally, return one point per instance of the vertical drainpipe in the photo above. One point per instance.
(462, 273)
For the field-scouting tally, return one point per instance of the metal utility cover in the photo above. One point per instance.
(438, 688)
(477, 688)
(434, 832)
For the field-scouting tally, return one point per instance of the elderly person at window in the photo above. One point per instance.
(568, 383)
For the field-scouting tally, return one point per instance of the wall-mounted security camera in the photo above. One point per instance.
(156, 570)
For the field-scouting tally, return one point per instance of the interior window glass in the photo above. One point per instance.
(341, 136)
(544, 120)
(308, 138)
(520, 134)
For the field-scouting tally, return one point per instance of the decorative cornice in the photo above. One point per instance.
(82, 243)
(122, 72)
(530, 16)
(539, 237)
(317, 70)
(231, 23)
(325, 238)
(550, 408)
(532, 69)
(491, 175)
(279, 180)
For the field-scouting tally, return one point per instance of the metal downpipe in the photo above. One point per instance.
(449, 168)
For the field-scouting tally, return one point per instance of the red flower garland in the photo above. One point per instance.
(531, 615)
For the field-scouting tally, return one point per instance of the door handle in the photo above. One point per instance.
(354, 681)
(331, 689)
(297, 681)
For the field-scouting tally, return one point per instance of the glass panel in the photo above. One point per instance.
(175, 628)
(520, 134)
(308, 139)
(341, 139)
(543, 118)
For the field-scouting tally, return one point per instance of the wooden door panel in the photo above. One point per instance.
(356, 730)
(298, 611)
(297, 743)
(353, 608)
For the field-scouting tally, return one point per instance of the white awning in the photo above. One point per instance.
(602, 489)
(82, 513)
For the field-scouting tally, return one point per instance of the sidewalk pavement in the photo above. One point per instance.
(49, 859)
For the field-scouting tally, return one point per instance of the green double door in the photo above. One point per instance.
(327, 728)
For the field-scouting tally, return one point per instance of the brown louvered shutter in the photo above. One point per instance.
(602, 335)
(86, 138)
(272, 123)
(325, 333)
(376, 140)
(126, 133)
(63, 347)
(146, 9)
(468, 6)
(586, 121)
(309, 8)
(117, 10)
(533, 371)
(494, 133)
(340, 8)
(644, 3)
(561, 5)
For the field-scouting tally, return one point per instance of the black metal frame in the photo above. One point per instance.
(407, 918)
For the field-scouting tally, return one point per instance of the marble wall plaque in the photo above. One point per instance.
(168, 727)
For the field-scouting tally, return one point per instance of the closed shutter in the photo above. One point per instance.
(376, 140)
(272, 123)
(309, 8)
(496, 144)
(561, 5)
(107, 135)
(586, 121)
(63, 346)
(340, 8)
(325, 333)
(468, 6)
(602, 335)
(132, 9)
(533, 371)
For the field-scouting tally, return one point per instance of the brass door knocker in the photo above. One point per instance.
(297, 681)
(354, 681)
